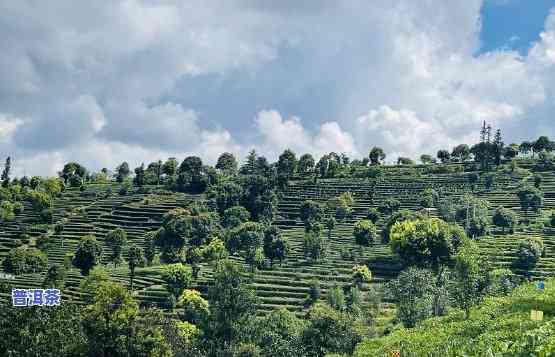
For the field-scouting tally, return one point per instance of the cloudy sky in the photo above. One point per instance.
(141, 80)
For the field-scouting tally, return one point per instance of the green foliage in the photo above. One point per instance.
(225, 195)
(23, 260)
(426, 242)
(373, 215)
(314, 245)
(135, 258)
(113, 326)
(195, 307)
(116, 240)
(88, 254)
(311, 213)
(365, 232)
(6, 211)
(530, 198)
(232, 305)
(361, 274)
(398, 216)
(276, 246)
(429, 198)
(504, 218)
(376, 155)
(234, 216)
(529, 252)
(328, 331)
(227, 163)
(389, 206)
(55, 277)
(150, 247)
(178, 277)
(414, 291)
(36, 331)
(336, 298)
(306, 164)
(280, 334)
(500, 326)
(39, 200)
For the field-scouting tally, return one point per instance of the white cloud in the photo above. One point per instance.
(8, 126)
(104, 81)
(278, 134)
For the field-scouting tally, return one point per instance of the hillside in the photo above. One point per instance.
(500, 326)
(99, 209)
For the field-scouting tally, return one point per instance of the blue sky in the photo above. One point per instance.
(138, 80)
(513, 24)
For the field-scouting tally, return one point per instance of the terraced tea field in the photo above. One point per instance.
(99, 209)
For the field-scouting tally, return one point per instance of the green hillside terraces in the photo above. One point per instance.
(284, 240)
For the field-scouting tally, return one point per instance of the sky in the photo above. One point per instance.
(142, 80)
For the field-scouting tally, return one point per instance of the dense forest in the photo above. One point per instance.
(329, 256)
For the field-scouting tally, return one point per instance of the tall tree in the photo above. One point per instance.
(461, 152)
(116, 240)
(88, 254)
(227, 163)
(287, 163)
(498, 146)
(306, 164)
(169, 167)
(6, 172)
(135, 258)
(443, 156)
(376, 156)
(122, 172)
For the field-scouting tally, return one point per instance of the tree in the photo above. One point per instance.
(135, 258)
(88, 254)
(6, 172)
(279, 334)
(246, 237)
(336, 298)
(122, 172)
(150, 247)
(389, 206)
(443, 156)
(365, 232)
(528, 252)
(329, 331)
(376, 155)
(398, 216)
(537, 181)
(116, 240)
(227, 163)
(306, 164)
(178, 277)
(414, 292)
(426, 159)
(21, 260)
(196, 308)
(426, 242)
(373, 215)
(55, 277)
(140, 177)
(276, 245)
(525, 147)
(428, 198)
(310, 213)
(405, 161)
(461, 152)
(530, 198)
(287, 163)
(169, 167)
(330, 223)
(47, 332)
(498, 147)
(470, 282)
(232, 305)
(543, 143)
(114, 327)
(511, 151)
(225, 195)
(314, 246)
(361, 274)
(235, 216)
(342, 205)
(504, 218)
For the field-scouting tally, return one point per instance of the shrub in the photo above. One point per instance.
(361, 274)
(364, 232)
(529, 252)
(373, 215)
